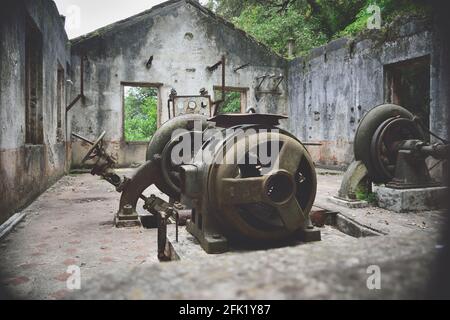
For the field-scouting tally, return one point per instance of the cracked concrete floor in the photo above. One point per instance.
(71, 224)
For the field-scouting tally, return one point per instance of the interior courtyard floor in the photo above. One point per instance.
(72, 224)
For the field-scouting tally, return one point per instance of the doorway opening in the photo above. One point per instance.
(407, 84)
(140, 110)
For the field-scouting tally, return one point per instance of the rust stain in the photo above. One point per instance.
(17, 281)
(62, 277)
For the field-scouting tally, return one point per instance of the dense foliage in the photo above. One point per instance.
(232, 103)
(140, 113)
(310, 23)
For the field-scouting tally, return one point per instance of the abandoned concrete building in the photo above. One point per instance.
(57, 96)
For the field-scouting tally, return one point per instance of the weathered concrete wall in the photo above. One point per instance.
(28, 170)
(332, 88)
(184, 39)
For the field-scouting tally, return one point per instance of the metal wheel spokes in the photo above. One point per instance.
(276, 189)
(289, 157)
(292, 214)
(244, 190)
(94, 151)
(386, 140)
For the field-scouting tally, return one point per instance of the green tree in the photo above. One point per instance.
(141, 113)
(232, 103)
(275, 29)
(310, 23)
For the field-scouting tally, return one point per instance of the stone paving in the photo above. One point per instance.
(70, 224)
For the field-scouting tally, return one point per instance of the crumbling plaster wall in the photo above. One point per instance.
(28, 170)
(120, 52)
(332, 88)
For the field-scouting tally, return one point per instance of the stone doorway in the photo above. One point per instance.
(407, 84)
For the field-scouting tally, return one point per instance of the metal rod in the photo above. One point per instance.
(241, 67)
(73, 102)
(223, 78)
(162, 236)
(217, 103)
(82, 76)
(312, 144)
(81, 95)
(215, 66)
(82, 138)
(280, 79)
(168, 108)
(177, 224)
(262, 78)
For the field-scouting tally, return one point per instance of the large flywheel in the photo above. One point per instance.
(378, 137)
(267, 194)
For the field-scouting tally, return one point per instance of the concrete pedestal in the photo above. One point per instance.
(411, 200)
(348, 202)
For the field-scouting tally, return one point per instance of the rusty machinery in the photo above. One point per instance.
(254, 204)
(391, 147)
(246, 202)
(250, 201)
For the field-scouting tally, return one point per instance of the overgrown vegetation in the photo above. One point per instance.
(141, 113)
(363, 193)
(310, 23)
(232, 103)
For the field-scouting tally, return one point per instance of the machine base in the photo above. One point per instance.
(127, 221)
(217, 244)
(212, 244)
(309, 235)
(348, 203)
(411, 200)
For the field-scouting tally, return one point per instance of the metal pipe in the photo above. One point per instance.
(241, 67)
(218, 102)
(82, 76)
(81, 95)
(223, 78)
(83, 138)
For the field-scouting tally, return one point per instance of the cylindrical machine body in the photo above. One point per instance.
(161, 146)
(258, 182)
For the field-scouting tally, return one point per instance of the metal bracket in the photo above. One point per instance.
(81, 95)
(274, 91)
(163, 211)
(241, 67)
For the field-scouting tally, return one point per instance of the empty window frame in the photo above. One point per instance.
(235, 99)
(140, 111)
(34, 133)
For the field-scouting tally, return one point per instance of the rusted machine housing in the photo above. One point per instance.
(230, 202)
(247, 202)
(391, 147)
(250, 202)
